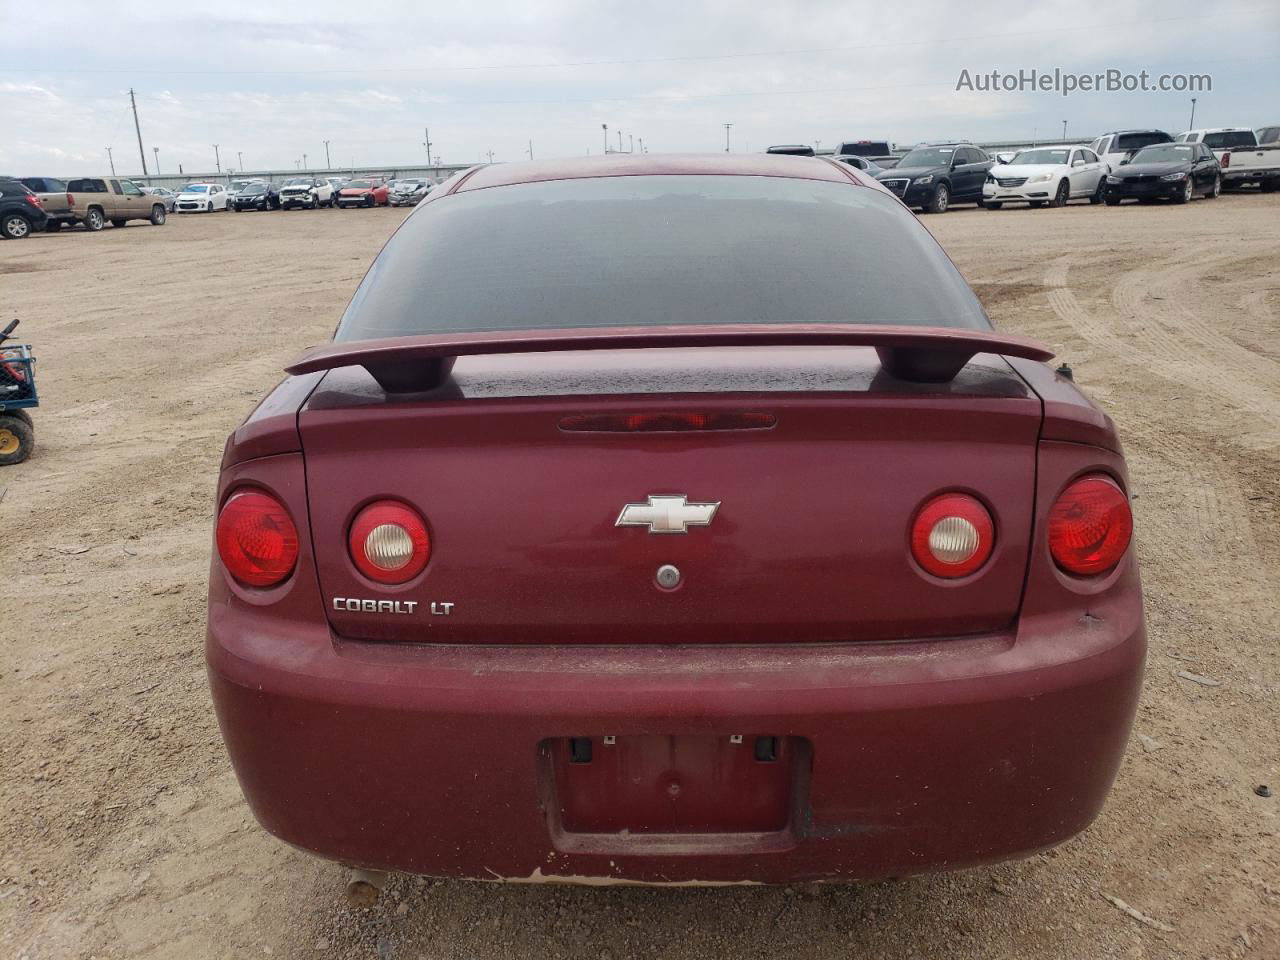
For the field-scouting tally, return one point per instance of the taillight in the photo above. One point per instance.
(34, 200)
(1225, 161)
(952, 536)
(389, 542)
(665, 422)
(71, 199)
(1090, 526)
(257, 542)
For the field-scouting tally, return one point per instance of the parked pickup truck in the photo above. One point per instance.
(1243, 160)
(879, 152)
(96, 200)
(53, 197)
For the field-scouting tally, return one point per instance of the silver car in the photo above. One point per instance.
(406, 193)
(170, 198)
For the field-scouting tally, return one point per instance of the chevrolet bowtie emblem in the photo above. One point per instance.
(667, 514)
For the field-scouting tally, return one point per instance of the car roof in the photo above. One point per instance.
(1054, 146)
(1112, 133)
(640, 165)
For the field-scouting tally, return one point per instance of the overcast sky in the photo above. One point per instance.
(271, 82)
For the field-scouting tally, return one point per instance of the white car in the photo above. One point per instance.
(1051, 175)
(202, 198)
(306, 192)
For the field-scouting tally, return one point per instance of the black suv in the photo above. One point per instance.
(20, 211)
(933, 177)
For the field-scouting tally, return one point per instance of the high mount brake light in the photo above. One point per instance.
(389, 542)
(952, 536)
(665, 422)
(1090, 526)
(257, 542)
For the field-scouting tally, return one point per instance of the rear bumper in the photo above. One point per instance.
(1238, 176)
(922, 755)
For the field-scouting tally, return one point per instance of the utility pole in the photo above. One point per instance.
(619, 141)
(642, 144)
(631, 144)
(304, 161)
(111, 161)
(217, 160)
(426, 138)
(142, 154)
(1064, 130)
(327, 164)
(156, 151)
(240, 158)
(727, 126)
(530, 149)
(1192, 124)
(605, 127)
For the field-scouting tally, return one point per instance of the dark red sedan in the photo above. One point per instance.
(630, 530)
(368, 192)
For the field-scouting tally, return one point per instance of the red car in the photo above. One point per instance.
(629, 530)
(368, 192)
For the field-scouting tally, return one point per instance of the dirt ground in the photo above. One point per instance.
(124, 833)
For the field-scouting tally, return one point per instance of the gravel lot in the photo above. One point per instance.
(124, 834)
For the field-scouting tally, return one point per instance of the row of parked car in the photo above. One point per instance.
(302, 192)
(31, 204)
(1143, 165)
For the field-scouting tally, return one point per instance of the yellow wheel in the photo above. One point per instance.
(16, 440)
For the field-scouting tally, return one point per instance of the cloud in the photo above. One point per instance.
(273, 83)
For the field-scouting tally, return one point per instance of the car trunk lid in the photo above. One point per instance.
(809, 542)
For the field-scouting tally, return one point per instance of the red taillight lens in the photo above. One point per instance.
(1090, 526)
(257, 542)
(389, 542)
(34, 200)
(1225, 161)
(71, 199)
(952, 536)
(665, 422)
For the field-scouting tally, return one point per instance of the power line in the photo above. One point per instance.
(681, 97)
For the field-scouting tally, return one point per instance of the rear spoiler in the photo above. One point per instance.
(418, 363)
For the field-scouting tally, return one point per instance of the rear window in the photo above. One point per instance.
(1230, 139)
(654, 250)
(1136, 141)
(44, 184)
(1269, 135)
(865, 148)
(86, 186)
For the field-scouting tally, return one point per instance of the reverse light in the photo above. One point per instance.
(257, 542)
(389, 542)
(952, 536)
(1090, 526)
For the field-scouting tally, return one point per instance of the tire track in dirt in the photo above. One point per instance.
(1216, 525)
